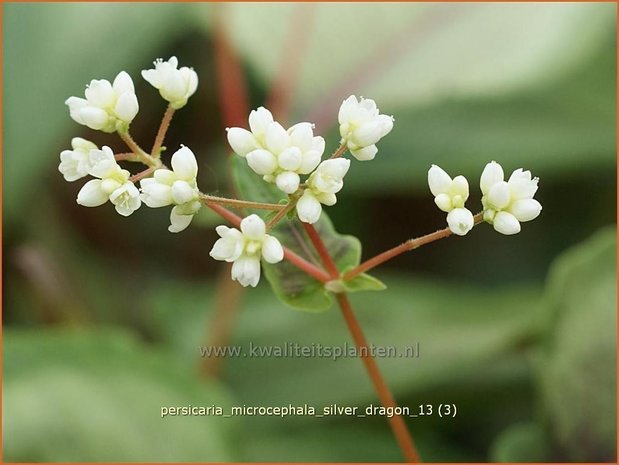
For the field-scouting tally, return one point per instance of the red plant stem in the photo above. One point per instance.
(407, 246)
(306, 266)
(142, 174)
(341, 150)
(289, 255)
(130, 156)
(396, 422)
(163, 129)
(321, 249)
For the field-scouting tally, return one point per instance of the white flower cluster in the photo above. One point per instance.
(505, 204)
(112, 107)
(282, 156)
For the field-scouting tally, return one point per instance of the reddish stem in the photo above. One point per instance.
(163, 129)
(407, 246)
(384, 394)
(142, 174)
(396, 422)
(321, 249)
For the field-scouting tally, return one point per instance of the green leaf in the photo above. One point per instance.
(97, 395)
(362, 282)
(293, 286)
(577, 364)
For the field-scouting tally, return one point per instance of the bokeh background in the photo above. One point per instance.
(103, 316)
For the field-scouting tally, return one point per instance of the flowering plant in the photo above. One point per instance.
(285, 181)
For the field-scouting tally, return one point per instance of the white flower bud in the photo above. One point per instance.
(506, 223)
(241, 140)
(272, 250)
(246, 270)
(288, 182)
(460, 221)
(107, 107)
(526, 209)
(92, 195)
(174, 85)
(492, 174)
(184, 164)
(308, 208)
(262, 162)
(361, 126)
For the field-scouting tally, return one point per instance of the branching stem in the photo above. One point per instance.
(341, 150)
(138, 151)
(235, 203)
(163, 129)
(407, 246)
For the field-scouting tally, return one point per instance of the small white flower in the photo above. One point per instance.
(322, 185)
(277, 154)
(507, 204)
(245, 248)
(107, 107)
(174, 85)
(450, 196)
(75, 164)
(361, 126)
(112, 184)
(175, 187)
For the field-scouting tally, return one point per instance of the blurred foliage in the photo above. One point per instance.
(97, 395)
(526, 85)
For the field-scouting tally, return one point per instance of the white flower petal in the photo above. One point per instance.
(290, 159)
(184, 164)
(182, 192)
(230, 246)
(443, 201)
(95, 118)
(276, 138)
(499, 196)
(123, 83)
(242, 141)
(272, 250)
(126, 199)
(525, 209)
(365, 153)
(253, 227)
(178, 222)
(288, 182)
(100, 93)
(506, 223)
(460, 187)
(155, 194)
(246, 270)
(308, 208)
(259, 121)
(262, 162)
(91, 194)
(460, 221)
(301, 136)
(347, 109)
(336, 168)
(126, 107)
(492, 174)
(438, 180)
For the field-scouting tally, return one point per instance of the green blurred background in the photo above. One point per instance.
(103, 315)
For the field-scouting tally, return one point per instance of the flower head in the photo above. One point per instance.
(322, 185)
(174, 85)
(450, 196)
(112, 184)
(107, 107)
(280, 156)
(175, 187)
(508, 203)
(361, 126)
(75, 164)
(245, 248)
